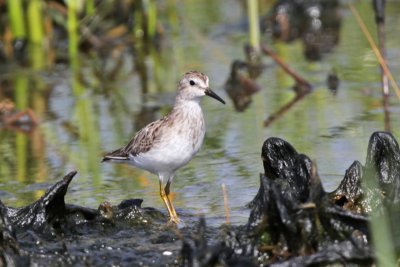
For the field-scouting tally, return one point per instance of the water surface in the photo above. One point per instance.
(83, 116)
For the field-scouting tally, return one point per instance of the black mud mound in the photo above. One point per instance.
(295, 222)
(51, 232)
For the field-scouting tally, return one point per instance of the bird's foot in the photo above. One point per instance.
(175, 222)
(174, 219)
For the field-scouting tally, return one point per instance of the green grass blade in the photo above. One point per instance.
(16, 17)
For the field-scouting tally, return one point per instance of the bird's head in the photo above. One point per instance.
(194, 85)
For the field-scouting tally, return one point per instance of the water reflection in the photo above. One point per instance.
(333, 82)
(239, 86)
(316, 23)
(98, 101)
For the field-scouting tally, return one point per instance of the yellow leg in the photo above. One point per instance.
(173, 217)
(174, 214)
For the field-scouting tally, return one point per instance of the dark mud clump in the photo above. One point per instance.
(293, 221)
(50, 232)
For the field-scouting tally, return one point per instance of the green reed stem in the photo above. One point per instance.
(21, 92)
(138, 30)
(37, 57)
(254, 26)
(16, 17)
(151, 18)
(90, 7)
(89, 139)
(72, 25)
(21, 142)
(35, 21)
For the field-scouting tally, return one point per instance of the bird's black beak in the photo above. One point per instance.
(209, 92)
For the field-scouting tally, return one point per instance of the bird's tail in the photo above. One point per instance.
(117, 155)
(110, 158)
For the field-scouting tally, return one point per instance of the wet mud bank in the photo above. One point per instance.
(293, 221)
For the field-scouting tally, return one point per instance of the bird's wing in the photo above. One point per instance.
(145, 139)
(142, 142)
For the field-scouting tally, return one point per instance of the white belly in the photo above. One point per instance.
(177, 146)
(168, 156)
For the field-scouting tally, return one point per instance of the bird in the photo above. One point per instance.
(167, 144)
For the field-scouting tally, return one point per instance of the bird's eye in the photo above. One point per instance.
(192, 82)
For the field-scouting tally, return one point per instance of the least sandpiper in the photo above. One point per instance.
(165, 145)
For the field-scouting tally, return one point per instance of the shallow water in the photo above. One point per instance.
(81, 119)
